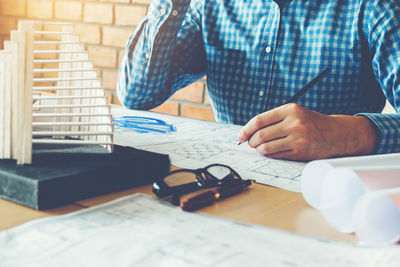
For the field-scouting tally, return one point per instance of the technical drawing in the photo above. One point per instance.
(212, 143)
(197, 151)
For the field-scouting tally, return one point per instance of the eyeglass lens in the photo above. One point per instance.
(219, 171)
(179, 178)
(212, 173)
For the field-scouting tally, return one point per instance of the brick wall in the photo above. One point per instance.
(104, 27)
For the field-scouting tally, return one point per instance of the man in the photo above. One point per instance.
(257, 54)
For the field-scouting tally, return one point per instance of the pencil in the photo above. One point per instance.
(306, 87)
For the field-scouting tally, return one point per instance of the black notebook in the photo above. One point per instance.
(60, 175)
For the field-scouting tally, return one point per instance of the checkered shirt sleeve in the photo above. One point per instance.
(164, 54)
(382, 30)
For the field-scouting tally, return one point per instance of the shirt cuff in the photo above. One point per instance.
(389, 128)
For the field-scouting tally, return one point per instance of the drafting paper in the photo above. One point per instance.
(142, 231)
(312, 178)
(343, 187)
(198, 143)
(376, 217)
(340, 191)
(334, 186)
(315, 172)
(366, 162)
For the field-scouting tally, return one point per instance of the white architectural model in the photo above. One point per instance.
(49, 92)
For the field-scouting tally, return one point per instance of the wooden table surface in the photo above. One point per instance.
(260, 204)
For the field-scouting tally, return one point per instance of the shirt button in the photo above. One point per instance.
(163, 11)
(174, 13)
(268, 49)
(147, 55)
(261, 93)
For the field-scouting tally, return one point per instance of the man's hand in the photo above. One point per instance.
(296, 133)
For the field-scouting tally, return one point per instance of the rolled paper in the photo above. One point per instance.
(312, 177)
(342, 188)
(380, 178)
(315, 172)
(358, 162)
(376, 217)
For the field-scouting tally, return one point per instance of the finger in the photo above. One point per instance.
(288, 154)
(260, 121)
(267, 134)
(274, 146)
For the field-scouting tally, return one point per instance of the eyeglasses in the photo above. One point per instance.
(183, 181)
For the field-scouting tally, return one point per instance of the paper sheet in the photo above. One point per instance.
(376, 217)
(142, 231)
(366, 162)
(315, 173)
(197, 143)
(334, 190)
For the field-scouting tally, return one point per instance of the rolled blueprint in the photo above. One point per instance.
(342, 188)
(376, 217)
(315, 172)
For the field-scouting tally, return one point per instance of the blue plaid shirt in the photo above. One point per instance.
(257, 54)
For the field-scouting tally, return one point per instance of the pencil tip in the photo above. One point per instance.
(239, 143)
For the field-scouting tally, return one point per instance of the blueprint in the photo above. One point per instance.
(197, 143)
(143, 231)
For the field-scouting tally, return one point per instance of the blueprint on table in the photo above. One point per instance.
(142, 231)
(196, 144)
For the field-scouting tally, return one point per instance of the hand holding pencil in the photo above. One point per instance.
(297, 133)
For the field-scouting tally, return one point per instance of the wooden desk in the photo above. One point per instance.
(260, 204)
